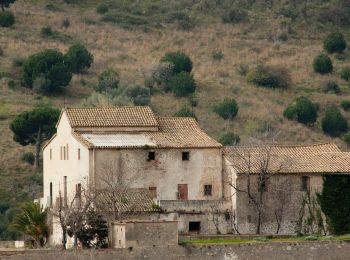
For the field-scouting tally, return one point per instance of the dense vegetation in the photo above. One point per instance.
(180, 57)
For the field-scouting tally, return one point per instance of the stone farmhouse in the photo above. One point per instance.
(191, 177)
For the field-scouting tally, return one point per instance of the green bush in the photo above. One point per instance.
(7, 19)
(234, 16)
(268, 76)
(28, 158)
(302, 110)
(78, 58)
(102, 8)
(345, 73)
(140, 96)
(227, 109)
(330, 86)
(335, 42)
(229, 138)
(48, 64)
(345, 104)
(185, 112)
(47, 32)
(335, 202)
(107, 81)
(322, 64)
(65, 23)
(183, 84)
(180, 60)
(347, 138)
(333, 122)
(217, 55)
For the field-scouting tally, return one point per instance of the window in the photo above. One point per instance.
(50, 194)
(185, 156)
(67, 152)
(194, 226)
(50, 154)
(61, 152)
(151, 156)
(182, 192)
(305, 183)
(65, 191)
(64, 153)
(78, 153)
(208, 190)
(78, 191)
(153, 192)
(262, 184)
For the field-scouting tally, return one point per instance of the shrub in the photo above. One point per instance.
(217, 55)
(65, 23)
(322, 64)
(345, 104)
(242, 70)
(50, 65)
(78, 58)
(160, 76)
(227, 109)
(335, 42)
(330, 86)
(46, 32)
(193, 100)
(140, 96)
(185, 112)
(334, 201)
(28, 158)
(302, 110)
(229, 138)
(333, 122)
(347, 138)
(183, 84)
(18, 61)
(7, 19)
(180, 61)
(345, 73)
(102, 8)
(107, 81)
(268, 76)
(234, 16)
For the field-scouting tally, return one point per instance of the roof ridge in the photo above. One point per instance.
(110, 107)
(284, 145)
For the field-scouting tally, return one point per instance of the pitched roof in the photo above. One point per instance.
(173, 132)
(319, 158)
(132, 116)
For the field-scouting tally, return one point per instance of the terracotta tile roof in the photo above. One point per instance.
(141, 116)
(320, 158)
(174, 132)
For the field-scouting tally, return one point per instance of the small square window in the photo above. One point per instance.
(185, 156)
(151, 156)
(208, 190)
(305, 183)
(194, 226)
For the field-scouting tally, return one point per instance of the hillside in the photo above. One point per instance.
(133, 36)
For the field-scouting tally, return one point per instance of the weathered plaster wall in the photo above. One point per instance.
(283, 197)
(167, 171)
(324, 250)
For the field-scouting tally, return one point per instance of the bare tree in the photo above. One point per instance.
(257, 162)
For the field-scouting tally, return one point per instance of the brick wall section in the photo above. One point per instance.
(324, 250)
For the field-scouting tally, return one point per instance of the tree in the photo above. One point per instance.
(50, 66)
(257, 164)
(302, 110)
(335, 42)
(108, 80)
(181, 62)
(269, 76)
(335, 202)
(183, 84)
(34, 127)
(333, 122)
(229, 138)
(7, 19)
(322, 64)
(78, 58)
(31, 221)
(6, 3)
(227, 109)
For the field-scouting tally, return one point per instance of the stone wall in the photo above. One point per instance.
(320, 250)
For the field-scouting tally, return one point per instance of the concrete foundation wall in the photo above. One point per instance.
(324, 250)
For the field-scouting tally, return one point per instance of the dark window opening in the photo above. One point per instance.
(194, 226)
(65, 191)
(151, 156)
(50, 194)
(305, 183)
(185, 156)
(262, 185)
(78, 191)
(208, 190)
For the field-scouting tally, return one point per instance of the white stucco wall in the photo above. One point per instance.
(55, 169)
